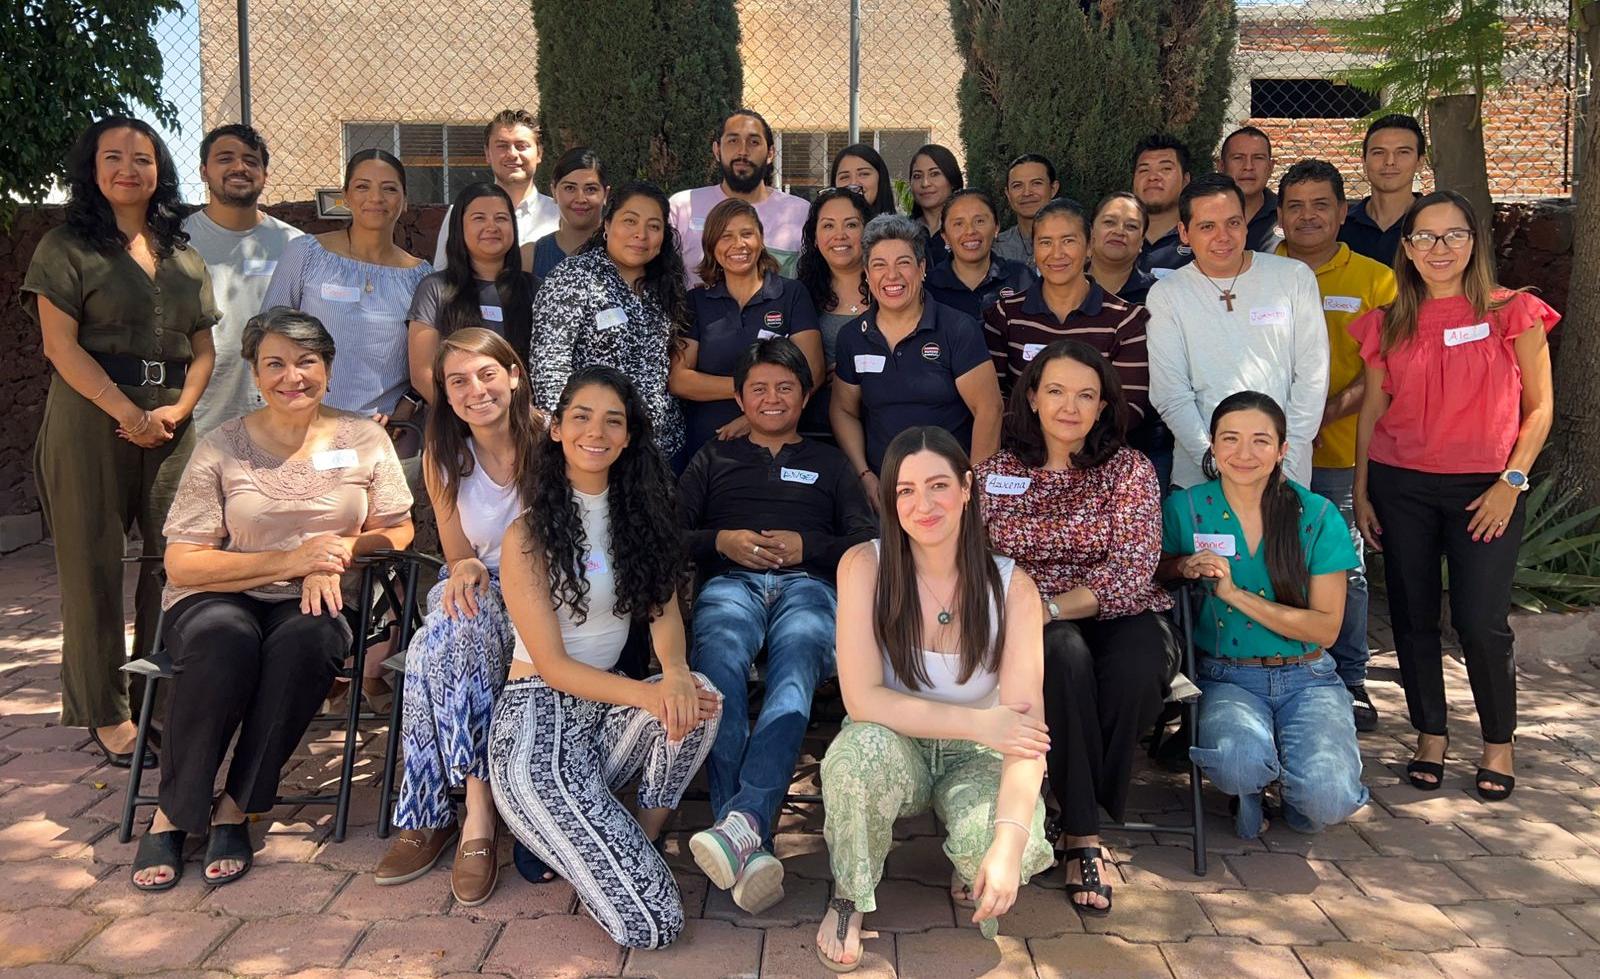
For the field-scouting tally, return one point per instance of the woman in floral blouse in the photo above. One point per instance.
(1081, 513)
(618, 302)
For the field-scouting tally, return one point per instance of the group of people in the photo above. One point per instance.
(957, 466)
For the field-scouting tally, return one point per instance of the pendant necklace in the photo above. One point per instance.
(1227, 296)
(944, 607)
(351, 245)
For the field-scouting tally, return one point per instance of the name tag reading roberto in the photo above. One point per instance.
(1215, 543)
(805, 476)
(999, 485)
(333, 459)
(1341, 304)
(869, 363)
(1456, 336)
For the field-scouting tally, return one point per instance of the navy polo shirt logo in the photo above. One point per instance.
(1006, 292)
(1185, 250)
(930, 351)
(773, 320)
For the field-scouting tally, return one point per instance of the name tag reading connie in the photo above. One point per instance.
(869, 363)
(999, 485)
(333, 459)
(805, 476)
(1215, 543)
(1456, 336)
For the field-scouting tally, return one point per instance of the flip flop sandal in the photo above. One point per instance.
(843, 908)
(1089, 862)
(160, 850)
(229, 841)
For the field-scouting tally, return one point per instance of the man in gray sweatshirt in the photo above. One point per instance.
(1234, 320)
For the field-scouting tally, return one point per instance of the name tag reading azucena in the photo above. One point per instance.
(1215, 543)
(805, 476)
(998, 485)
(333, 459)
(869, 363)
(1456, 336)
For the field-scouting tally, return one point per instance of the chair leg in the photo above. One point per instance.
(358, 666)
(136, 770)
(391, 754)
(1197, 803)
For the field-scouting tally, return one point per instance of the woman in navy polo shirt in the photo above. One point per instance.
(743, 300)
(911, 361)
(973, 277)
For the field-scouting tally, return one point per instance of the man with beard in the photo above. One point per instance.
(240, 246)
(511, 148)
(743, 150)
(1160, 172)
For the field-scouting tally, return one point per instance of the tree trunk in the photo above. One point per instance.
(1577, 422)
(1457, 151)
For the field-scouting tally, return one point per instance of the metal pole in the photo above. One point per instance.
(244, 61)
(855, 70)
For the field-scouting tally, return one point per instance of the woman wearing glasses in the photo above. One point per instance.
(1458, 403)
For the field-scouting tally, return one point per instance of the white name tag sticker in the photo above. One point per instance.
(1030, 351)
(1456, 336)
(765, 334)
(595, 563)
(336, 293)
(1341, 304)
(998, 485)
(805, 476)
(259, 266)
(333, 459)
(1275, 316)
(1161, 273)
(1215, 543)
(869, 363)
(608, 318)
(492, 314)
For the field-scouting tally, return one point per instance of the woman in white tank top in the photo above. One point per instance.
(941, 663)
(476, 456)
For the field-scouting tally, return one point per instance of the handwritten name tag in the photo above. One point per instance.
(1030, 351)
(999, 485)
(1215, 543)
(1276, 316)
(259, 266)
(492, 314)
(1341, 304)
(333, 459)
(595, 563)
(335, 293)
(805, 476)
(869, 363)
(1456, 336)
(608, 318)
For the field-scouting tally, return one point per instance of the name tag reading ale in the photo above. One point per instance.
(1456, 336)
(869, 363)
(1030, 351)
(259, 266)
(1000, 485)
(1215, 543)
(1275, 316)
(333, 459)
(492, 314)
(1341, 304)
(608, 318)
(805, 476)
(333, 292)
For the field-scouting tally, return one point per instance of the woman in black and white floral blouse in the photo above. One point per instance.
(619, 302)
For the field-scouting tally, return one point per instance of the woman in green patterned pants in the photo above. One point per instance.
(941, 663)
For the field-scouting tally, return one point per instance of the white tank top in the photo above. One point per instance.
(485, 509)
(598, 641)
(982, 688)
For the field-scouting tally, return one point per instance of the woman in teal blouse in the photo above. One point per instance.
(1271, 557)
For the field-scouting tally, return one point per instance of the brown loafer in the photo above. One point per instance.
(476, 871)
(412, 854)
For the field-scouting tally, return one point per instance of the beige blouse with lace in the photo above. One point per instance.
(236, 496)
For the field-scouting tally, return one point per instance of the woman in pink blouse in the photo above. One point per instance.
(1081, 513)
(270, 513)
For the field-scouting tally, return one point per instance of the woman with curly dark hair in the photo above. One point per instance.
(125, 309)
(598, 547)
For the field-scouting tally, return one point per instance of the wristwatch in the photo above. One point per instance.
(1516, 479)
(1053, 609)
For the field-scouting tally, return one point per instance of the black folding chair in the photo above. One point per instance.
(388, 595)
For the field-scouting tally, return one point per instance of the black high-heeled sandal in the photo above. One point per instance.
(1503, 785)
(1414, 768)
(1089, 861)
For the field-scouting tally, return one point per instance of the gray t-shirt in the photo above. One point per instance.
(1009, 244)
(427, 303)
(241, 264)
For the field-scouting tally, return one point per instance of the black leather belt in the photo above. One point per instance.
(134, 372)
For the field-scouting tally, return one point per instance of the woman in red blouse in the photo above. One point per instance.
(1081, 513)
(1457, 407)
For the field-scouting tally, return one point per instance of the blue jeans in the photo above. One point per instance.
(735, 615)
(1350, 651)
(1288, 724)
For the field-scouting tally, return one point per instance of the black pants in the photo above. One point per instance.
(247, 665)
(1424, 518)
(1104, 683)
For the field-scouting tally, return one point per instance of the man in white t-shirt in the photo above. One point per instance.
(511, 147)
(1233, 320)
(240, 246)
(744, 151)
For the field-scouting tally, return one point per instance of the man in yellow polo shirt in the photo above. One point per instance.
(1311, 209)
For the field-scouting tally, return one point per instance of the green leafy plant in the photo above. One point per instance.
(1558, 565)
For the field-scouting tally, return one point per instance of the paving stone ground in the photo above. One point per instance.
(1418, 884)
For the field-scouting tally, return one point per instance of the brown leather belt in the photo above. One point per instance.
(1273, 660)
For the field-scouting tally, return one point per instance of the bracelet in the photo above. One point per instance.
(1014, 822)
(101, 393)
(144, 423)
(863, 472)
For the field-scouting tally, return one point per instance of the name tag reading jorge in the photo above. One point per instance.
(608, 318)
(805, 476)
(998, 485)
(333, 459)
(1456, 336)
(869, 363)
(334, 293)
(492, 314)
(1215, 543)
(1341, 304)
(1274, 316)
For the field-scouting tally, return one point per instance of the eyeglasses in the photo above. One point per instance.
(1425, 240)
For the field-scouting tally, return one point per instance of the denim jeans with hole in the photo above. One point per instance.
(1287, 724)
(736, 615)
(1350, 651)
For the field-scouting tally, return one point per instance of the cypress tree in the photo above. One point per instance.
(642, 82)
(1083, 82)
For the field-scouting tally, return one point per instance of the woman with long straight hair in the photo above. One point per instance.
(482, 283)
(1458, 404)
(598, 547)
(941, 666)
(860, 168)
(934, 175)
(125, 311)
(579, 185)
(1271, 557)
(480, 445)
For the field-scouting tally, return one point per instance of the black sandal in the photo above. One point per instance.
(1089, 859)
(1504, 784)
(843, 908)
(159, 850)
(124, 759)
(1415, 768)
(229, 841)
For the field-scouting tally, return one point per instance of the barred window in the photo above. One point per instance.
(440, 159)
(1308, 98)
(804, 157)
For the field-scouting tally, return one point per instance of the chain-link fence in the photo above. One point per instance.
(417, 78)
